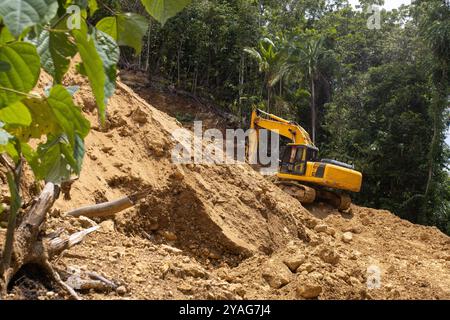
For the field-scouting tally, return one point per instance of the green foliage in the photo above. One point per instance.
(92, 66)
(20, 14)
(163, 10)
(23, 73)
(55, 50)
(109, 54)
(126, 29)
(16, 114)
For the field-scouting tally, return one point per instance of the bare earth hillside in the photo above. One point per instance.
(225, 232)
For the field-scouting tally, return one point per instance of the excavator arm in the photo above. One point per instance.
(291, 130)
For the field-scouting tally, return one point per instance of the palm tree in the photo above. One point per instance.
(308, 54)
(272, 62)
(433, 22)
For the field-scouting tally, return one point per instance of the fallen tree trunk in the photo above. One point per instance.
(109, 208)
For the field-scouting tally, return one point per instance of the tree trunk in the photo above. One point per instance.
(313, 110)
(28, 246)
(147, 60)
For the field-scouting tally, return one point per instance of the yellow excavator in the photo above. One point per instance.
(300, 173)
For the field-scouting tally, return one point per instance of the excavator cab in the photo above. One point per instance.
(295, 157)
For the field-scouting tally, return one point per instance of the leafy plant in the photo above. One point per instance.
(47, 34)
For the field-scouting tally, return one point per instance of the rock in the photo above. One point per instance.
(107, 226)
(154, 225)
(424, 236)
(357, 229)
(341, 274)
(365, 221)
(276, 274)
(321, 228)
(347, 237)
(354, 282)
(190, 270)
(214, 255)
(325, 229)
(185, 288)
(308, 289)
(294, 261)
(107, 149)
(165, 268)
(177, 174)
(169, 236)
(238, 289)
(315, 275)
(330, 231)
(139, 116)
(308, 267)
(329, 255)
(121, 290)
(85, 222)
(170, 249)
(312, 222)
(355, 255)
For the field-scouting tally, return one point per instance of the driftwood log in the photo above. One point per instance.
(109, 208)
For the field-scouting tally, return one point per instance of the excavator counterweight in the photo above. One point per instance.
(301, 174)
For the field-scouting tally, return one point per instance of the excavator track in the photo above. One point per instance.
(340, 201)
(308, 195)
(302, 193)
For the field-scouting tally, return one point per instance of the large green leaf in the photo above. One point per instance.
(15, 114)
(55, 51)
(92, 66)
(20, 14)
(78, 154)
(163, 10)
(44, 121)
(109, 54)
(127, 29)
(93, 6)
(23, 74)
(6, 36)
(52, 161)
(68, 115)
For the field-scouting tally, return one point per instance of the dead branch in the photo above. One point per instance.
(87, 280)
(61, 283)
(57, 245)
(109, 208)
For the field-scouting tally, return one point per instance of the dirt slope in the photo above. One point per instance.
(224, 232)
